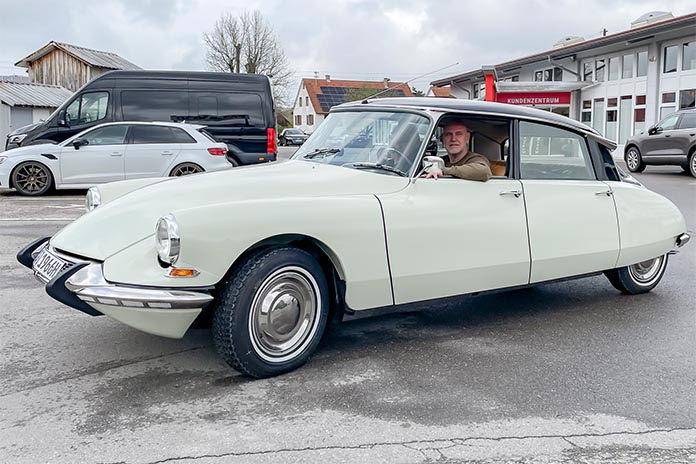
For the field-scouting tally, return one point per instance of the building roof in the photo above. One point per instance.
(629, 36)
(15, 78)
(89, 56)
(35, 95)
(441, 92)
(325, 93)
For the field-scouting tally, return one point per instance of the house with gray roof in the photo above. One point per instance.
(70, 66)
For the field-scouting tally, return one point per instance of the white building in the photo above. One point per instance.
(23, 103)
(619, 83)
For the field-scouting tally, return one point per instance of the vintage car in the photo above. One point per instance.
(270, 253)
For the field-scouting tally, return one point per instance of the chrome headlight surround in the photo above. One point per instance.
(92, 199)
(167, 239)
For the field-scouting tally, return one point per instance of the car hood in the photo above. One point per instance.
(132, 217)
(24, 129)
(31, 149)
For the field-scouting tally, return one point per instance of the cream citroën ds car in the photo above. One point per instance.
(269, 252)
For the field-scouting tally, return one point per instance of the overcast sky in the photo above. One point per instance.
(348, 39)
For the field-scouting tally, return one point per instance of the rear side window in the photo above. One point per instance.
(152, 134)
(548, 152)
(180, 136)
(158, 105)
(228, 109)
(688, 120)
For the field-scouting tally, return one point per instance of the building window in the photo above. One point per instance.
(640, 100)
(557, 74)
(687, 98)
(639, 114)
(642, 70)
(670, 59)
(611, 124)
(689, 56)
(307, 100)
(627, 67)
(624, 118)
(310, 119)
(538, 76)
(599, 70)
(476, 91)
(587, 71)
(300, 102)
(516, 78)
(549, 75)
(586, 114)
(298, 120)
(615, 68)
(669, 97)
(598, 115)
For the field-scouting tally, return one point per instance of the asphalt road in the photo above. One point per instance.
(567, 372)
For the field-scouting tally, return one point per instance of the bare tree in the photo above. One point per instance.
(246, 43)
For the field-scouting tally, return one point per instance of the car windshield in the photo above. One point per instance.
(294, 132)
(356, 138)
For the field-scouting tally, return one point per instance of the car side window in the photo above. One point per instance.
(180, 136)
(688, 120)
(669, 122)
(143, 134)
(548, 152)
(109, 135)
(89, 107)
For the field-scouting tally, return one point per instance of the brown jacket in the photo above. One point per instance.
(472, 167)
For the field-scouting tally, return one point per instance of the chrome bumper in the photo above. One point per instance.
(89, 285)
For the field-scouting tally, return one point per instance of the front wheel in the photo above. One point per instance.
(32, 178)
(638, 278)
(634, 162)
(272, 312)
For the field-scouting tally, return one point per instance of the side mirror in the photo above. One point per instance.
(652, 130)
(433, 164)
(77, 143)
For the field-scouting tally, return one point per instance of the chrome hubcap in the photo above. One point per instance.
(284, 314)
(31, 178)
(647, 270)
(632, 159)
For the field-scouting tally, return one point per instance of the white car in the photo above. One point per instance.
(270, 252)
(112, 152)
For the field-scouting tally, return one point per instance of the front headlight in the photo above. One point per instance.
(93, 198)
(3, 159)
(167, 239)
(18, 138)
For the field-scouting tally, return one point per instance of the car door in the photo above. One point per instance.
(96, 158)
(451, 236)
(660, 141)
(151, 151)
(685, 134)
(570, 213)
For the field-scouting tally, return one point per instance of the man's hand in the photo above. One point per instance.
(430, 175)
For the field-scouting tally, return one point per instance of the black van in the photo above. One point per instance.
(236, 108)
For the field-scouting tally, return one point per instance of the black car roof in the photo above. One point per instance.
(476, 106)
(198, 75)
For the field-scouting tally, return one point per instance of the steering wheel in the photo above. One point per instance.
(391, 157)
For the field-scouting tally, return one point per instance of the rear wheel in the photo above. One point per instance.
(185, 169)
(692, 164)
(638, 278)
(32, 178)
(634, 161)
(272, 312)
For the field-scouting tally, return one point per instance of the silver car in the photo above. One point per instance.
(671, 141)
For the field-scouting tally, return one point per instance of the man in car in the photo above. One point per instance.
(460, 162)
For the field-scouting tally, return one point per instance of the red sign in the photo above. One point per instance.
(535, 98)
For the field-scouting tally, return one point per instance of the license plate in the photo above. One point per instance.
(47, 266)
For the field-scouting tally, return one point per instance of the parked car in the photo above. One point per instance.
(671, 141)
(292, 137)
(237, 109)
(112, 152)
(272, 252)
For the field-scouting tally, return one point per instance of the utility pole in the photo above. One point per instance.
(237, 56)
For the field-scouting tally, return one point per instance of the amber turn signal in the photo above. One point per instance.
(174, 272)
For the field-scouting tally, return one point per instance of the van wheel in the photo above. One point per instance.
(634, 161)
(32, 178)
(638, 278)
(184, 169)
(272, 312)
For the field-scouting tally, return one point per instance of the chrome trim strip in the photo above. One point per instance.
(89, 285)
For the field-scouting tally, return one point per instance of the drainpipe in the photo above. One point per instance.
(490, 76)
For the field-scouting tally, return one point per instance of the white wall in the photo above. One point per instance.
(4, 124)
(303, 107)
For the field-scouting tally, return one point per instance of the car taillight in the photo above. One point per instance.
(271, 146)
(217, 151)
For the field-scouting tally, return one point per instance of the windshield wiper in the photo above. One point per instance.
(377, 166)
(321, 152)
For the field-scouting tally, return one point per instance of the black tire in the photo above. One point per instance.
(233, 162)
(634, 161)
(32, 178)
(246, 333)
(692, 164)
(638, 278)
(185, 169)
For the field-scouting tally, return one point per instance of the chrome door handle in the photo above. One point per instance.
(515, 193)
(605, 192)
(166, 152)
(116, 153)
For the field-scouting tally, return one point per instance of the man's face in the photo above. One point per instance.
(455, 137)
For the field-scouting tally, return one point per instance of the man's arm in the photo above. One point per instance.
(476, 169)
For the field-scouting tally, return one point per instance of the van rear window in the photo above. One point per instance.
(228, 109)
